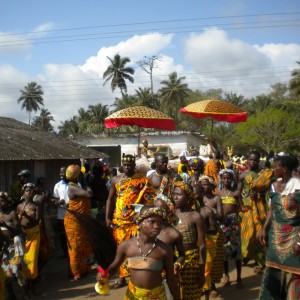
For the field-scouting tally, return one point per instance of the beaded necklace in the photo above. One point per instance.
(144, 256)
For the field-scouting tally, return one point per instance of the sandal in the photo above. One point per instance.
(214, 294)
(118, 284)
(258, 270)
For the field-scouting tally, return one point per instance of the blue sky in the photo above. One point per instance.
(239, 46)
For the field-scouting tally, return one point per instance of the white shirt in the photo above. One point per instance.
(61, 192)
(149, 172)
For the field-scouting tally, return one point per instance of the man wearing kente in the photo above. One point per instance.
(126, 189)
(162, 179)
(281, 280)
(79, 247)
(254, 184)
(213, 167)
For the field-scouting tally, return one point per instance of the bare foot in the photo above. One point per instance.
(226, 281)
(239, 284)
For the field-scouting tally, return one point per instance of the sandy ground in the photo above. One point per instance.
(55, 284)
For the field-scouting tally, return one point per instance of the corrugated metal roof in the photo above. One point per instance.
(19, 141)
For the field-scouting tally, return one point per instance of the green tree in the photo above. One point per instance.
(145, 97)
(294, 83)
(124, 102)
(117, 73)
(31, 98)
(43, 121)
(174, 94)
(69, 127)
(271, 129)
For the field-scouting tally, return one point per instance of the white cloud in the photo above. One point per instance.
(234, 65)
(13, 43)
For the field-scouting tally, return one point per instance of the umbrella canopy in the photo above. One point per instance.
(140, 116)
(217, 110)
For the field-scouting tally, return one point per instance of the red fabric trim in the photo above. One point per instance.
(167, 124)
(232, 118)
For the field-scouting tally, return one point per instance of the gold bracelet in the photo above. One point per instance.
(178, 264)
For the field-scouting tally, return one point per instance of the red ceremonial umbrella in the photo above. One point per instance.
(140, 116)
(216, 110)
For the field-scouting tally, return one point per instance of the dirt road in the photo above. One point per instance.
(55, 284)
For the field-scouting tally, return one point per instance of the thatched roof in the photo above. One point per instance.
(20, 141)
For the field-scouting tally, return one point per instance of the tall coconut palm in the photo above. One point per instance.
(43, 120)
(174, 93)
(295, 81)
(145, 97)
(32, 98)
(117, 73)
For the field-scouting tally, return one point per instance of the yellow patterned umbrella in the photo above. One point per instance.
(140, 116)
(217, 110)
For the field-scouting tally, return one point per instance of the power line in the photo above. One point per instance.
(154, 22)
(126, 36)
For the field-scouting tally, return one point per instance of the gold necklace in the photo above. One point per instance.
(144, 256)
(183, 217)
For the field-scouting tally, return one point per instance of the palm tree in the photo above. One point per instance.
(174, 93)
(43, 120)
(295, 81)
(145, 97)
(32, 98)
(117, 73)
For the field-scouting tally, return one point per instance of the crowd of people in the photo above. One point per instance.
(172, 232)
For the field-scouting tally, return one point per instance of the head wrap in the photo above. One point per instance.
(195, 163)
(156, 211)
(223, 171)
(29, 184)
(190, 193)
(72, 172)
(209, 179)
(169, 203)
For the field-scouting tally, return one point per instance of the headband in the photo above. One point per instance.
(209, 179)
(128, 158)
(29, 184)
(189, 191)
(156, 211)
(223, 171)
(170, 204)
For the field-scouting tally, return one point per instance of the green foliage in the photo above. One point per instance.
(271, 129)
(117, 73)
(43, 121)
(31, 98)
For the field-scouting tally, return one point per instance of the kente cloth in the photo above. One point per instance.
(231, 228)
(190, 288)
(284, 233)
(279, 285)
(135, 293)
(167, 185)
(13, 262)
(212, 170)
(211, 247)
(254, 216)
(79, 247)
(32, 247)
(2, 285)
(216, 273)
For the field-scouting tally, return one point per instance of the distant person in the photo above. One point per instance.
(60, 199)
(184, 174)
(153, 167)
(16, 191)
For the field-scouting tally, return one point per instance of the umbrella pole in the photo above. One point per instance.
(139, 141)
(211, 129)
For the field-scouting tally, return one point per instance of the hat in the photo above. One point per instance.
(24, 172)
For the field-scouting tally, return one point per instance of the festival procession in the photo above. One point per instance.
(163, 227)
(150, 151)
